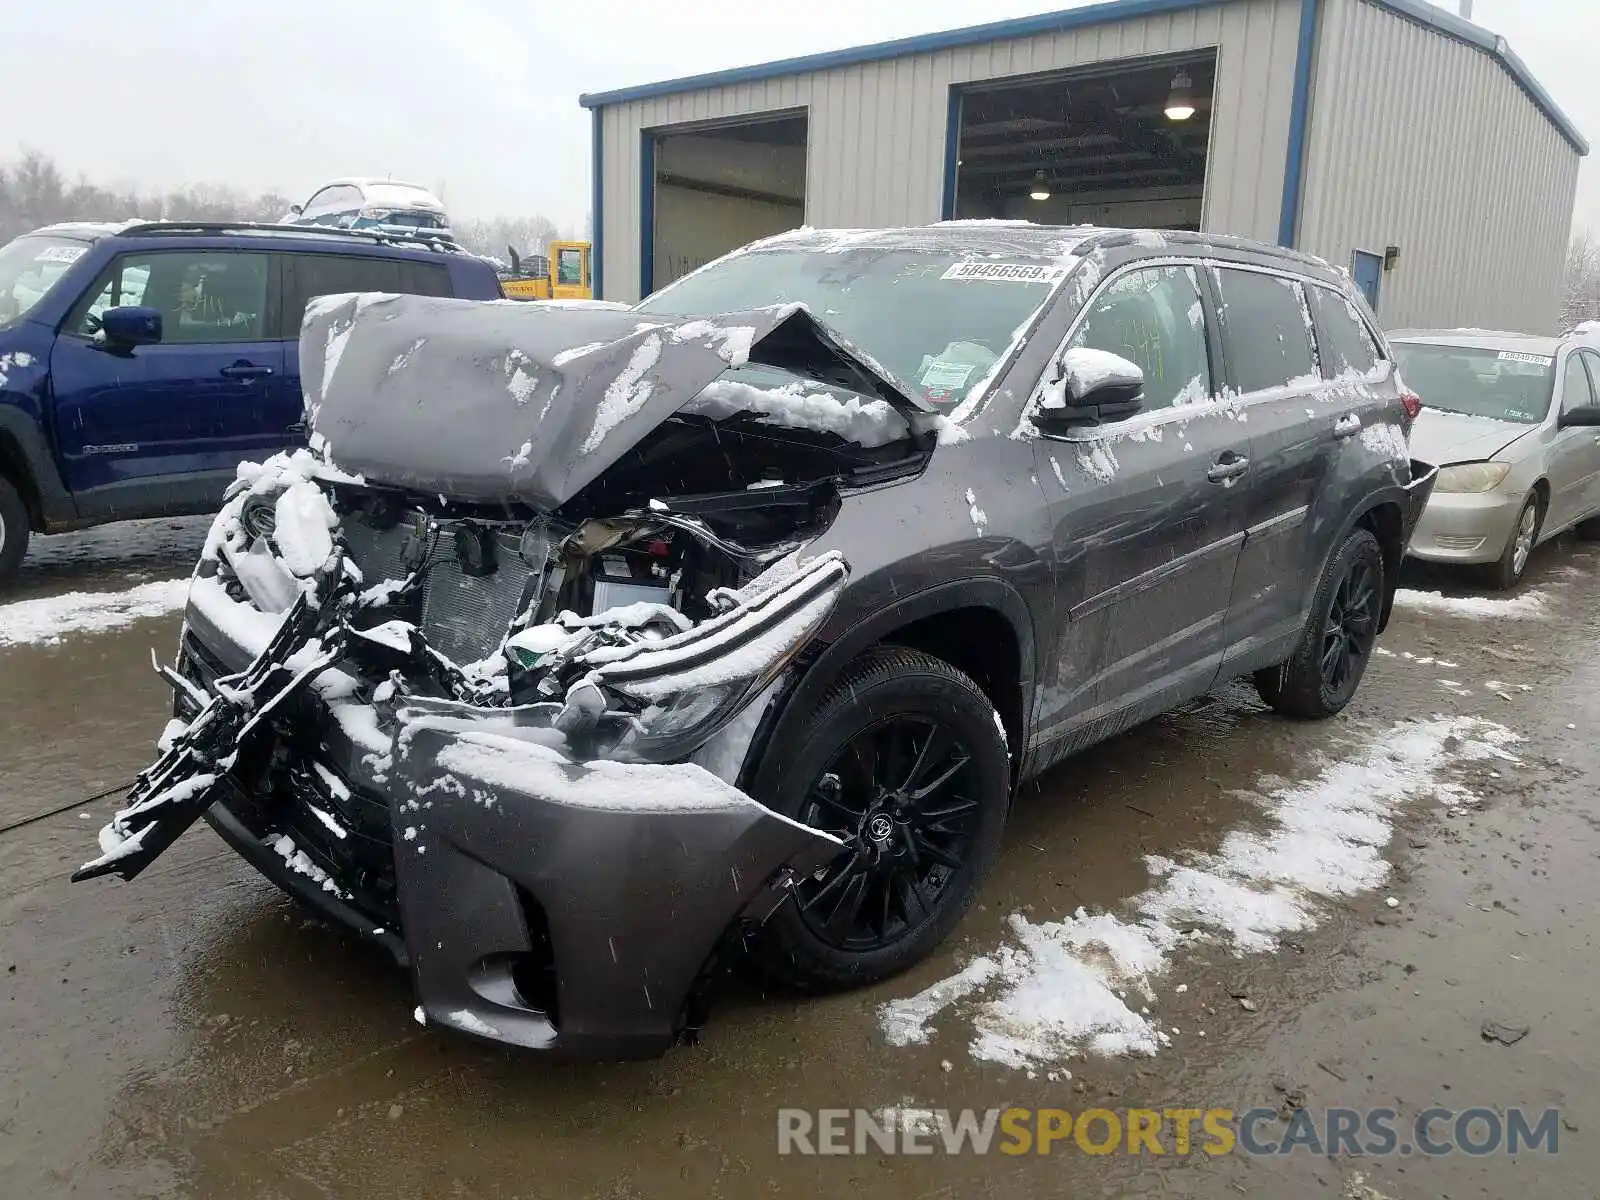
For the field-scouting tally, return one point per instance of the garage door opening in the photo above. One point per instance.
(1123, 146)
(714, 188)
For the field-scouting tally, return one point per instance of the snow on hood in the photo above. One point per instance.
(493, 402)
(1447, 437)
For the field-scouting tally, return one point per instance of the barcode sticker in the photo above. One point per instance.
(993, 272)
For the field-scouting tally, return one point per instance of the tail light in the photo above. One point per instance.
(1412, 403)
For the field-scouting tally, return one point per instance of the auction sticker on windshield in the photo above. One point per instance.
(60, 254)
(994, 272)
(1538, 360)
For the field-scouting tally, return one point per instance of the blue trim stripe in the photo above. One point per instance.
(647, 213)
(1299, 118)
(952, 155)
(597, 206)
(1094, 14)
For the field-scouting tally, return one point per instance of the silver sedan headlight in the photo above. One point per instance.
(1472, 477)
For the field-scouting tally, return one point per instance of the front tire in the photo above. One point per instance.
(1506, 572)
(905, 761)
(1322, 675)
(14, 529)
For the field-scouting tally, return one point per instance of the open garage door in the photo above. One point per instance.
(714, 188)
(1120, 146)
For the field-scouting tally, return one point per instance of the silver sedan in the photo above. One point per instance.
(1514, 422)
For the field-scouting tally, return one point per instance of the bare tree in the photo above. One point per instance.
(35, 192)
(1582, 284)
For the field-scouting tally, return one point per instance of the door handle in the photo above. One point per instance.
(1225, 469)
(297, 427)
(244, 370)
(1347, 426)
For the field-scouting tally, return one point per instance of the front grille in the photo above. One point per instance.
(361, 863)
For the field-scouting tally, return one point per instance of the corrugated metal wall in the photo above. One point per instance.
(876, 152)
(1424, 143)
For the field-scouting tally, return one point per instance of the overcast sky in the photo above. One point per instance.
(479, 97)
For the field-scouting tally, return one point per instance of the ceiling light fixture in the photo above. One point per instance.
(1180, 101)
(1041, 189)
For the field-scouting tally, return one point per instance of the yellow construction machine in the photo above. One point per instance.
(560, 274)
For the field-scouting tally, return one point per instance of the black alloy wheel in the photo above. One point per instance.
(901, 797)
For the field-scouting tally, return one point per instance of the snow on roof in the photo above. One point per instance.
(1482, 339)
(89, 229)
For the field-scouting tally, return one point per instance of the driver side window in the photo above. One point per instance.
(1576, 390)
(1153, 317)
(203, 296)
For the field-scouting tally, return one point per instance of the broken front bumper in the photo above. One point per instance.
(538, 899)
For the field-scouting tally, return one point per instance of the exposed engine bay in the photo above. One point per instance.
(413, 675)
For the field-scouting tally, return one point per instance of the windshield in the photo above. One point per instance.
(29, 268)
(1507, 385)
(937, 320)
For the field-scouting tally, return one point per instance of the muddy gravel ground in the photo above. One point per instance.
(193, 1034)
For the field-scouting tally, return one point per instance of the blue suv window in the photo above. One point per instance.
(202, 295)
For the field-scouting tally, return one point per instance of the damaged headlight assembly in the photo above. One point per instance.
(639, 683)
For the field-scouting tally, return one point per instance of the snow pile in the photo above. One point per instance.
(47, 620)
(303, 530)
(1529, 604)
(1074, 985)
(626, 394)
(869, 423)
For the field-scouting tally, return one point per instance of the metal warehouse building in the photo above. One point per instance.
(1388, 136)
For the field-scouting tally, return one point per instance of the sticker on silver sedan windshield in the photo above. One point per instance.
(1538, 360)
(994, 272)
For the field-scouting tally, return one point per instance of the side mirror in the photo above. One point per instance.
(297, 209)
(1588, 414)
(128, 326)
(1090, 387)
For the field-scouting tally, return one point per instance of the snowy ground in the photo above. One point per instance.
(1219, 908)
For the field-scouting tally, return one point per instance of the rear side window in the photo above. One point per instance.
(1266, 328)
(1346, 342)
(311, 275)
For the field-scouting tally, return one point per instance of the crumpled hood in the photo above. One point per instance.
(501, 401)
(1447, 437)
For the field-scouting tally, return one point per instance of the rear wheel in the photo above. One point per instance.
(905, 763)
(1505, 573)
(13, 529)
(1327, 666)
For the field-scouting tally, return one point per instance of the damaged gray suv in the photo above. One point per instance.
(588, 649)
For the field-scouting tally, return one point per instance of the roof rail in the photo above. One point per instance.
(430, 239)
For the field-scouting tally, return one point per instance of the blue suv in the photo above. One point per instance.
(141, 363)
